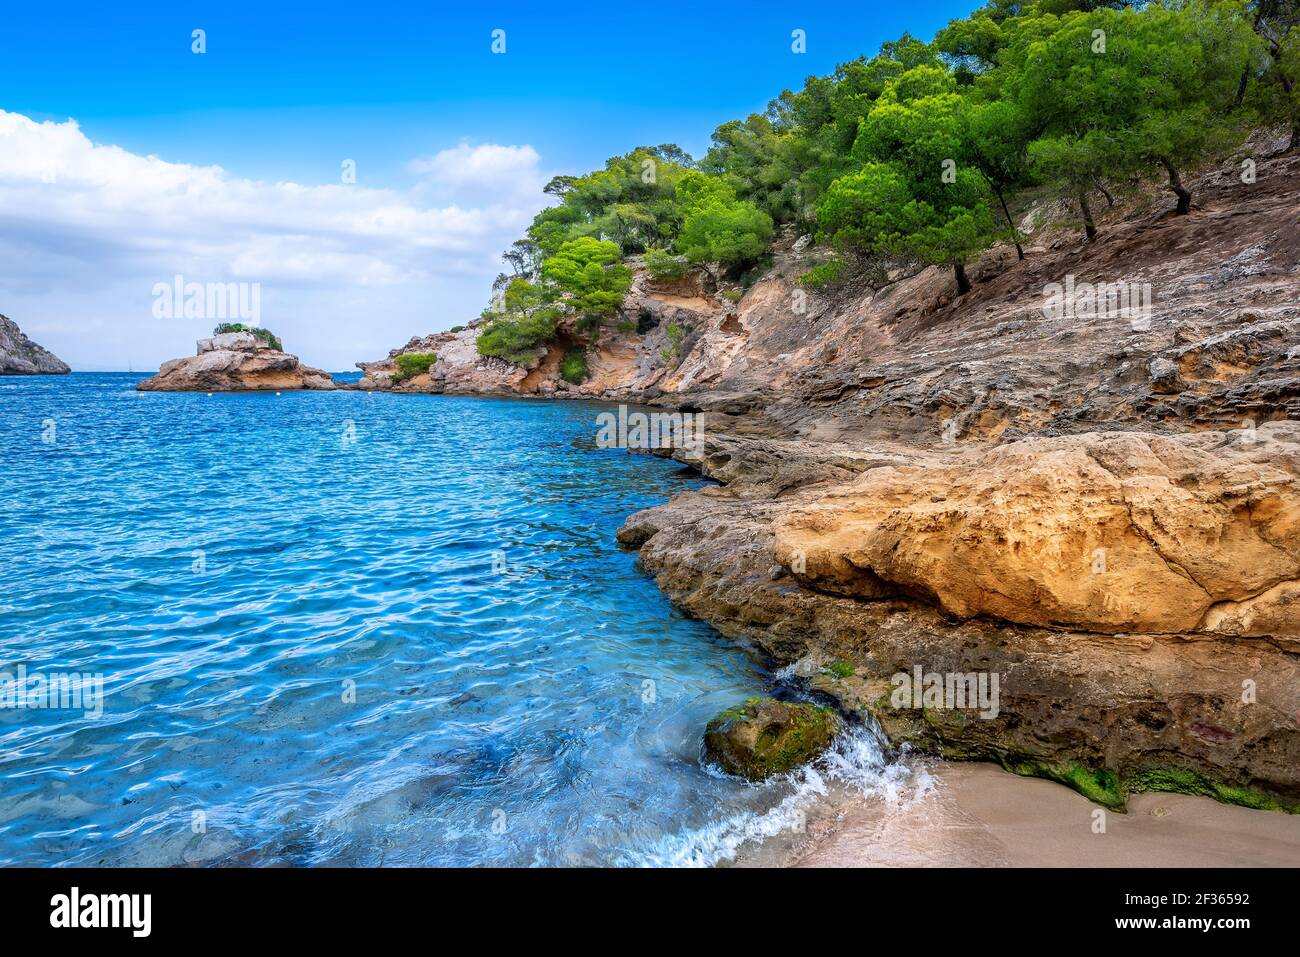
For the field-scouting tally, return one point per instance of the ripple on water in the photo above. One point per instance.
(421, 647)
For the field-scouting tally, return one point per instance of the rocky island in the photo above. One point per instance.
(242, 360)
(20, 356)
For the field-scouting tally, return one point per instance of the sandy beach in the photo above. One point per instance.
(978, 815)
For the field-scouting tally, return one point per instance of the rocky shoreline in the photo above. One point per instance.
(1102, 511)
(1097, 512)
(1104, 514)
(1211, 709)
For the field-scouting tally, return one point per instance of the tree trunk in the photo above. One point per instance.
(1288, 86)
(1181, 191)
(963, 281)
(1110, 200)
(1089, 227)
(1015, 233)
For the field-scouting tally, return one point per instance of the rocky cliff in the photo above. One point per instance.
(236, 362)
(20, 356)
(1083, 478)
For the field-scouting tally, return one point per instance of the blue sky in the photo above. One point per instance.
(439, 127)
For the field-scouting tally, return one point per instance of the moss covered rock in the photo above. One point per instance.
(764, 736)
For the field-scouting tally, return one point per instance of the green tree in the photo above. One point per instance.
(877, 209)
(522, 257)
(1116, 91)
(590, 276)
(556, 225)
(412, 364)
(860, 211)
(1187, 58)
(518, 337)
(751, 158)
(730, 232)
(1287, 55)
(1076, 86)
(662, 264)
(1277, 94)
(995, 140)
(915, 195)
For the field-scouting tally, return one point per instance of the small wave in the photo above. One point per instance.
(856, 762)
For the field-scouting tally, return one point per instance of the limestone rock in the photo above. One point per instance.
(1164, 376)
(1107, 532)
(231, 342)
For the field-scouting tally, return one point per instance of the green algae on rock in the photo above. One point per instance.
(764, 736)
(1112, 789)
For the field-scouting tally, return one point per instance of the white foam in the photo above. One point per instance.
(855, 761)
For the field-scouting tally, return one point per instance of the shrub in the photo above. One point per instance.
(663, 265)
(824, 275)
(266, 335)
(518, 338)
(840, 669)
(728, 233)
(456, 329)
(573, 367)
(675, 334)
(412, 364)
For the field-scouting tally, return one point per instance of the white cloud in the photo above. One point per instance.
(76, 216)
(485, 170)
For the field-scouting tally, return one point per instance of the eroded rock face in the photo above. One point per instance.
(764, 737)
(231, 363)
(20, 356)
(1106, 532)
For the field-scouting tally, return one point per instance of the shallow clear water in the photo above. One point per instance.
(344, 628)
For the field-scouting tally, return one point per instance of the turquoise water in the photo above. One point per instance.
(344, 628)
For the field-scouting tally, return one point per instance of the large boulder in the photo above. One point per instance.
(764, 736)
(1108, 532)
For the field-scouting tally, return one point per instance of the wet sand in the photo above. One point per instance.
(978, 815)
